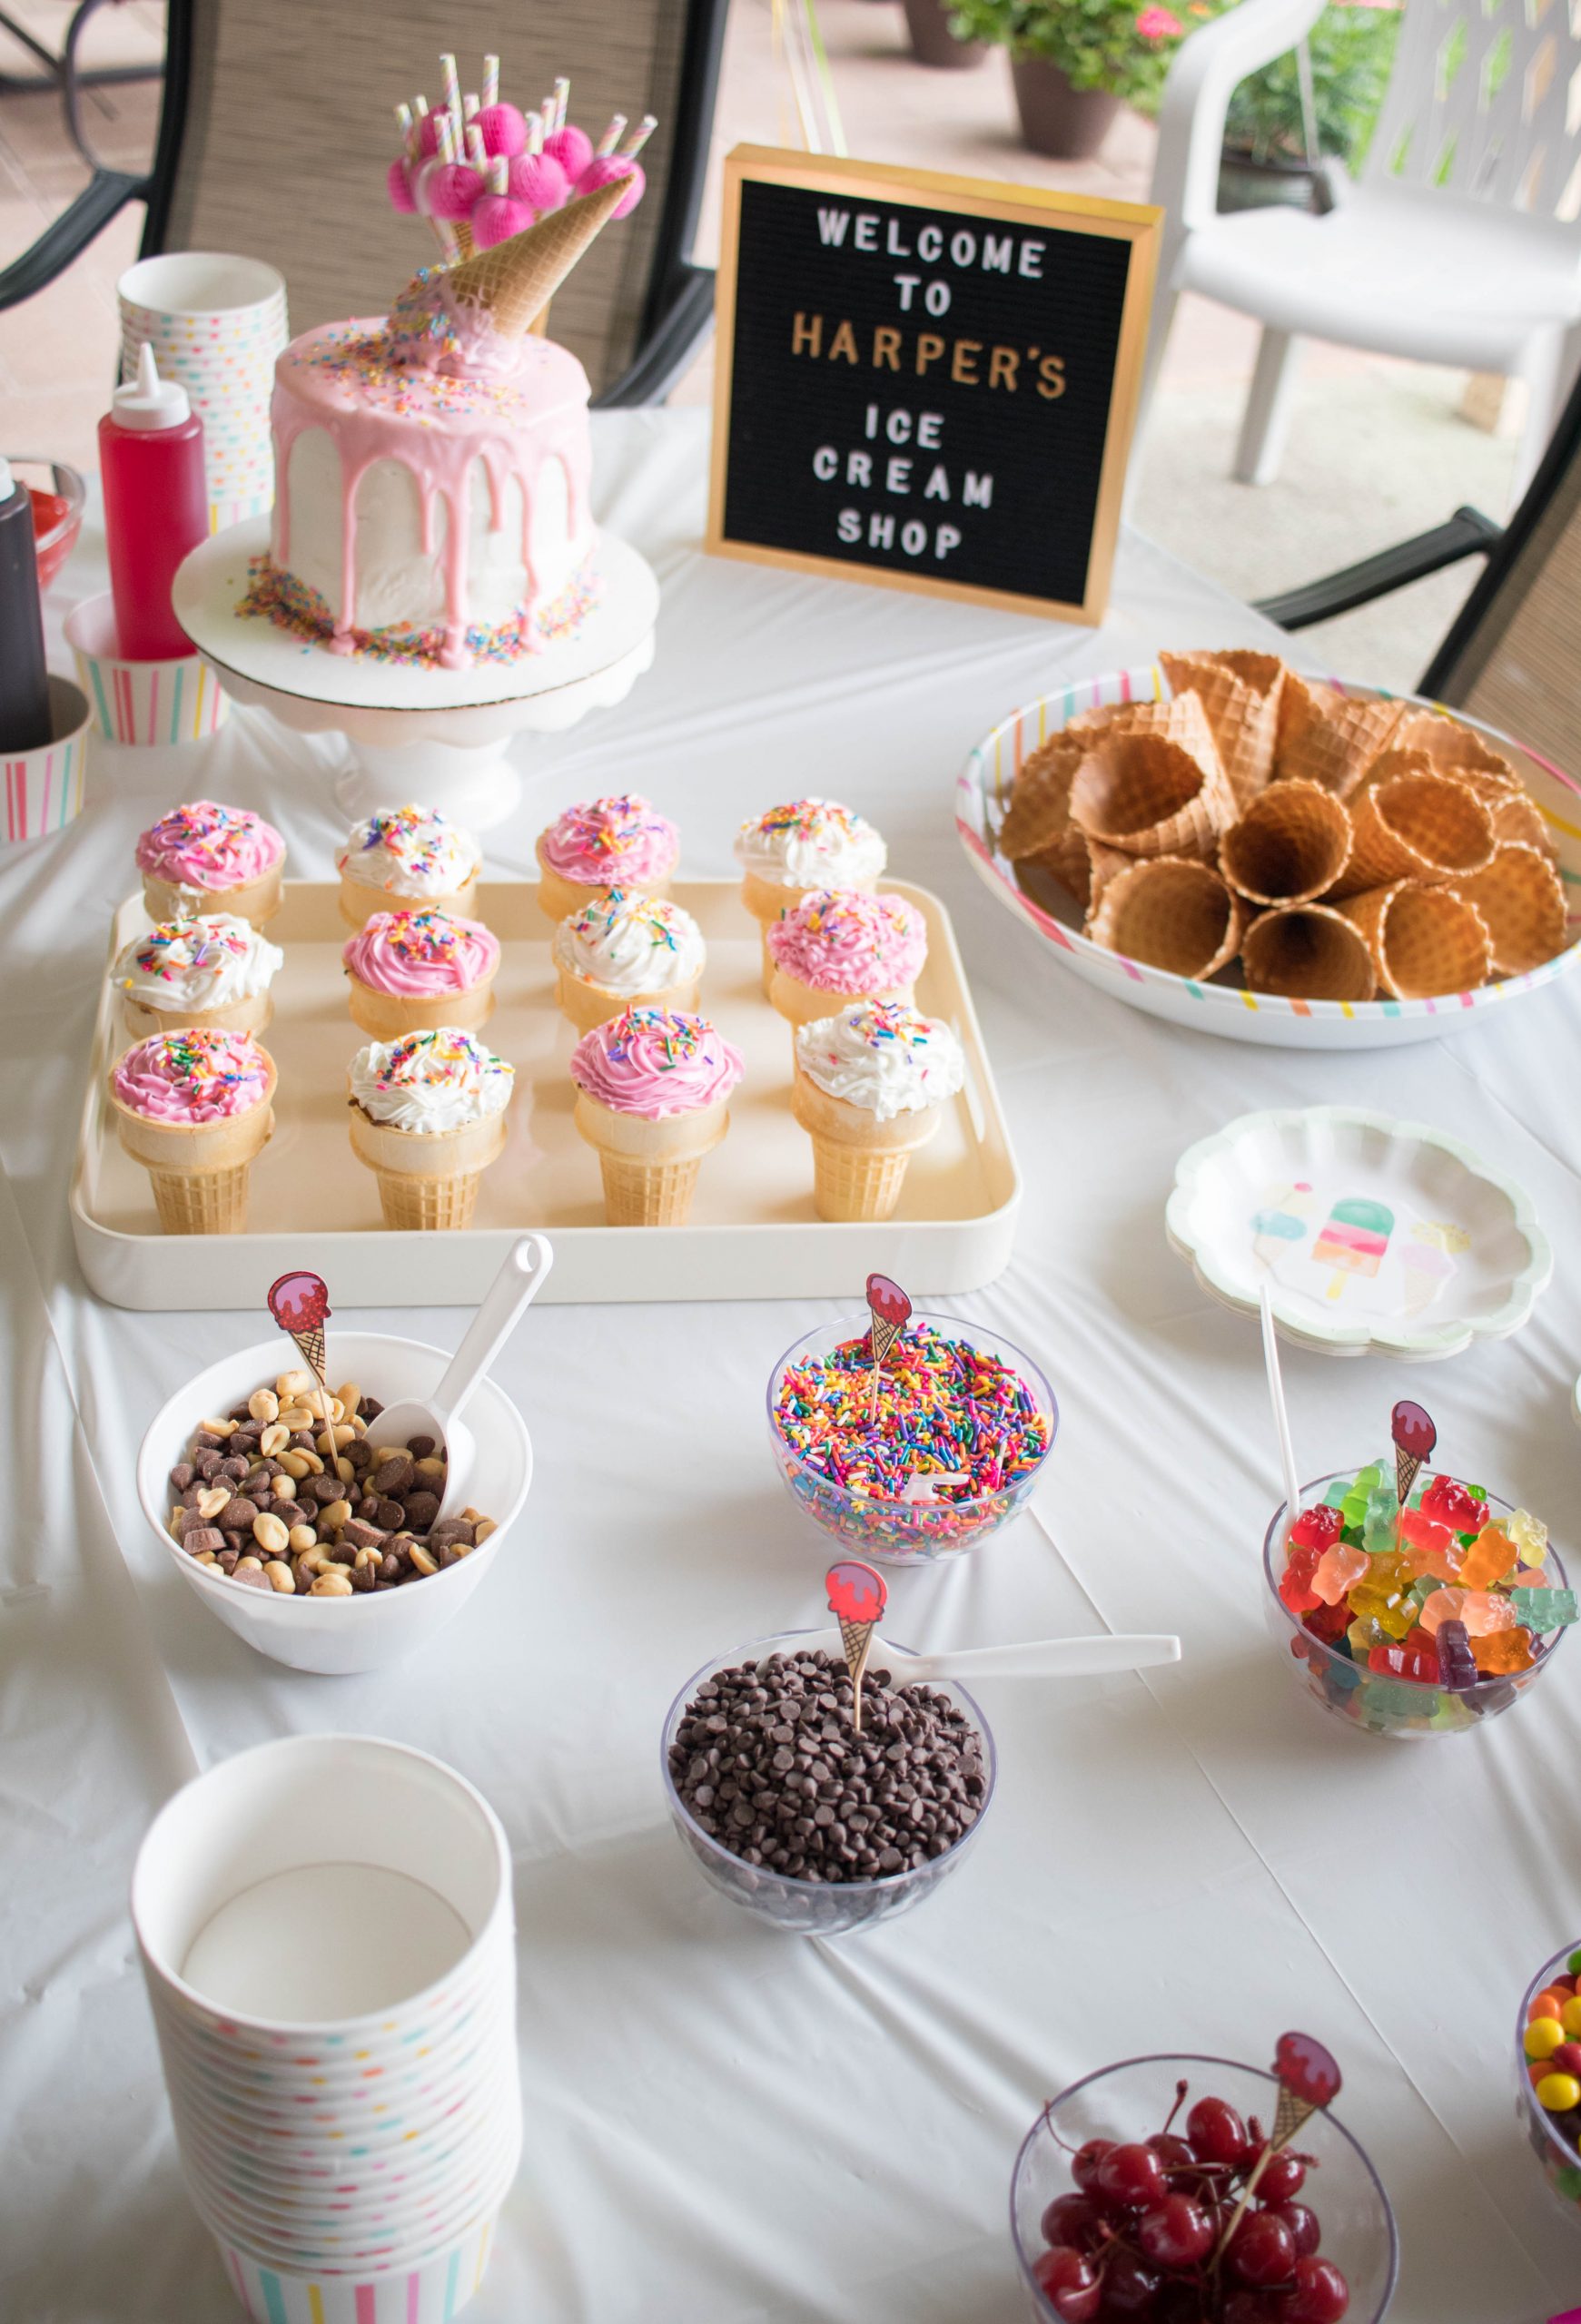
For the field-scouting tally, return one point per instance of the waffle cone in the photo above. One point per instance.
(358, 903)
(255, 902)
(1412, 823)
(588, 1005)
(1308, 952)
(1173, 913)
(1331, 739)
(514, 279)
(1180, 718)
(1240, 693)
(1422, 940)
(1290, 846)
(249, 1016)
(311, 1343)
(649, 1167)
(1455, 748)
(428, 1179)
(1038, 814)
(859, 1163)
(199, 1171)
(1521, 900)
(387, 1015)
(1145, 795)
(1517, 819)
(558, 898)
(1070, 861)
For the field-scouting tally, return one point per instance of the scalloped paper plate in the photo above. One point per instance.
(1377, 1235)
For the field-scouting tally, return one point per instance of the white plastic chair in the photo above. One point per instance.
(1457, 245)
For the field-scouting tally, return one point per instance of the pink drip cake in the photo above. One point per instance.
(432, 465)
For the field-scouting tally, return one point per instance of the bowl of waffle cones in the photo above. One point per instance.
(1225, 842)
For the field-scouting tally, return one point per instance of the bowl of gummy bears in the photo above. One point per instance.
(1420, 1611)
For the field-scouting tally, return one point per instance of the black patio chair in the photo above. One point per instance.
(277, 128)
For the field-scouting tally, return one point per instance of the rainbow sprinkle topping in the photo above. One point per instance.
(887, 1024)
(441, 1060)
(610, 826)
(944, 1411)
(174, 946)
(817, 818)
(652, 915)
(408, 833)
(426, 939)
(286, 600)
(679, 1038)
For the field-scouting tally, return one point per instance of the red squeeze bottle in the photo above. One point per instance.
(156, 507)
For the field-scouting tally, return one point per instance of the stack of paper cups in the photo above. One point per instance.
(215, 324)
(327, 1939)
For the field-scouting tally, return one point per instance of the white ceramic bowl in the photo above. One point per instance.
(366, 1631)
(1221, 1007)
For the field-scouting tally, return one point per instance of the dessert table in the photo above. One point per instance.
(724, 2124)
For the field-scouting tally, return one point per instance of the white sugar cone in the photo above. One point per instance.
(199, 1171)
(250, 1016)
(515, 278)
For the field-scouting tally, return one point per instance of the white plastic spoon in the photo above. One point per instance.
(520, 1280)
(1281, 1419)
(1041, 1658)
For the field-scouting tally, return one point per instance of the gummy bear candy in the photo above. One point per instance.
(1296, 1581)
(1420, 1664)
(1483, 1612)
(1364, 1634)
(1433, 1547)
(1363, 1485)
(1443, 1606)
(1509, 1649)
(1381, 1524)
(1329, 1623)
(1336, 1569)
(1457, 1664)
(1490, 1556)
(1449, 1502)
(1545, 1609)
(1316, 1527)
(1391, 1614)
(1421, 1639)
(1530, 1534)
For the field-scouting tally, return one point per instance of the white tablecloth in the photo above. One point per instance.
(722, 2124)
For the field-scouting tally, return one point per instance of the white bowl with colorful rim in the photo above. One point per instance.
(1374, 1236)
(1223, 1005)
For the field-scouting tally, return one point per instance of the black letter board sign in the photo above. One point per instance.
(926, 381)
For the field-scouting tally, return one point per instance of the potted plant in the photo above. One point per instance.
(1074, 63)
(1351, 48)
(933, 42)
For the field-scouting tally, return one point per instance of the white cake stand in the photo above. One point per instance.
(418, 732)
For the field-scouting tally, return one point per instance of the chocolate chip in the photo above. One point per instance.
(199, 1538)
(422, 1510)
(395, 1475)
(355, 1534)
(182, 1475)
(387, 1515)
(421, 1447)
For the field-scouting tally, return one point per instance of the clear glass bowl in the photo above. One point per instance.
(905, 1532)
(54, 528)
(1560, 2162)
(1402, 1709)
(814, 1907)
(1130, 2102)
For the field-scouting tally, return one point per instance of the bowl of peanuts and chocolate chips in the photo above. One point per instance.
(301, 1528)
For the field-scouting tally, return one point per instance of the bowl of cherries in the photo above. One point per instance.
(1128, 2202)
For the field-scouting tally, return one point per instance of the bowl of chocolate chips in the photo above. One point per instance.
(803, 1819)
(301, 1528)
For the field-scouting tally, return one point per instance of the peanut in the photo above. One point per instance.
(280, 1578)
(344, 1470)
(256, 1564)
(335, 1513)
(431, 1470)
(292, 1416)
(210, 1503)
(300, 1538)
(470, 1515)
(218, 1427)
(333, 1582)
(270, 1533)
(295, 1464)
(423, 1560)
(284, 1488)
(207, 1557)
(264, 1404)
(349, 1396)
(274, 1439)
(292, 1384)
(370, 1557)
(482, 1529)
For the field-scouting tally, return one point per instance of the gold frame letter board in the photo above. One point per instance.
(925, 381)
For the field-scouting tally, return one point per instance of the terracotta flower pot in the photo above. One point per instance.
(933, 42)
(1067, 124)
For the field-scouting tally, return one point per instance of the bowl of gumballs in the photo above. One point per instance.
(805, 1820)
(305, 1532)
(1129, 2200)
(919, 1455)
(1548, 2042)
(1410, 1601)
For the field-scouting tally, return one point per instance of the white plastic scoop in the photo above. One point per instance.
(518, 1282)
(1041, 1658)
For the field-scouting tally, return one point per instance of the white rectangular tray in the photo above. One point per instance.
(753, 1233)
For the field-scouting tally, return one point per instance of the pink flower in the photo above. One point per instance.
(1157, 23)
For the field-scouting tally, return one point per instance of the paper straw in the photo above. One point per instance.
(420, 106)
(612, 135)
(490, 81)
(640, 134)
(562, 98)
(447, 136)
(452, 84)
(500, 175)
(535, 133)
(470, 103)
(475, 153)
(403, 121)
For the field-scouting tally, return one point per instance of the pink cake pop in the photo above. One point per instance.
(504, 130)
(538, 181)
(498, 217)
(452, 191)
(572, 148)
(402, 196)
(603, 170)
(427, 133)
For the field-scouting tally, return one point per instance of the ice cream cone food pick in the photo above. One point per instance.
(890, 1309)
(1414, 1439)
(299, 1303)
(1308, 2081)
(857, 1596)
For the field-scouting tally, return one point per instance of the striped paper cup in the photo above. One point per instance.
(44, 787)
(215, 324)
(141, 702)
(432, 2293)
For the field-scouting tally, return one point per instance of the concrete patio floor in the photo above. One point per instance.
(1378, 450)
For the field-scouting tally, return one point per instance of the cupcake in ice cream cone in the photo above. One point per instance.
(871, 1085)
(622, 951)
(428, 1118)
(205, 858)
(838, 946)
(194, 1109)
(788, 851)
(413, 971)
(601, 844)
(214, 973)
(408, 859)
(653, 1087)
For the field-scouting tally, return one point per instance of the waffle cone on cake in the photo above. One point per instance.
(1329, 738)
(517, 277)
(587, 1005)
(1240, 693)
(1145, 795)
(1422, 940)
(1520, 898)
(255, 900)
(1308, 952)
(249, 1016)
(428, 1179)
(649, 1167)
(1412, 823)
(859, 1163)
(1290, 846)
(199, 1170)
(1171, 913)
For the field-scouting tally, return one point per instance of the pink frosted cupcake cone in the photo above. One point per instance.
(839, 946)
(603, 844)
(413, 971)
(194, 1109)
(205, 858)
